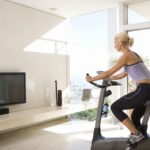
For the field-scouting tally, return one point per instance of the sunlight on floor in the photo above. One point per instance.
(75, 129)
(71, 127)
(79, 129)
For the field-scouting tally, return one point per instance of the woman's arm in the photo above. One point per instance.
(118, 76)
(106, 74)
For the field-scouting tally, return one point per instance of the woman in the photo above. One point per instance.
(135, 68)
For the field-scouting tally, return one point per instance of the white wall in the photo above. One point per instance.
(19, 27)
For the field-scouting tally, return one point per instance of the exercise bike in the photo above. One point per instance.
(99, 142)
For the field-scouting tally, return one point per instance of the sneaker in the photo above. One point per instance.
(131, 146)
(136, 138)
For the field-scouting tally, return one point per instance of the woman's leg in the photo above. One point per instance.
(137, 114)
(128, 123)
(132, 100)
(129, 101)
(136, 118)
(117, 109)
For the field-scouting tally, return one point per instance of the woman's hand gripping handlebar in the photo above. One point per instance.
(95, 84)
(108, 83)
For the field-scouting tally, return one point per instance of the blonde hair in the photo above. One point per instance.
(125, 39)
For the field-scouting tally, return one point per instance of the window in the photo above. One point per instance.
(87, 49)
(138, 12)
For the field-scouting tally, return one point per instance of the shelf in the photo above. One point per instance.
(26, 118)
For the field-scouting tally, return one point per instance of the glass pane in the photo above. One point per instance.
(87, 50)
(138, 12)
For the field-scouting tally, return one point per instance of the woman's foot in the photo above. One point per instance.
(131, 146)
(136, 138)
(133, 140)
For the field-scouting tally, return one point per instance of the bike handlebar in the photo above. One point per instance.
(108, 83)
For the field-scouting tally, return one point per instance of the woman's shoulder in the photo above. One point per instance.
(125, 58)
(126, 55)
(129, 55)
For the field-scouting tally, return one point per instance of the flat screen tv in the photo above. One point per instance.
(12, 88)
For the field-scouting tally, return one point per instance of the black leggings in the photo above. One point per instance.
(133, 100)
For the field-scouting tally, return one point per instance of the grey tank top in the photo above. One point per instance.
(137, 71)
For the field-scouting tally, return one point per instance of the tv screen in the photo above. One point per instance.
(12, 88)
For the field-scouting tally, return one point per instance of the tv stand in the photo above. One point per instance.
(4, 111)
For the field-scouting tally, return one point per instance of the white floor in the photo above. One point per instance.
(49, 136)
(59, 135)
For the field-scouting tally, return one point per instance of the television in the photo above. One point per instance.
(12, 88)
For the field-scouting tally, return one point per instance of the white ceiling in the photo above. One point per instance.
(70, 8)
